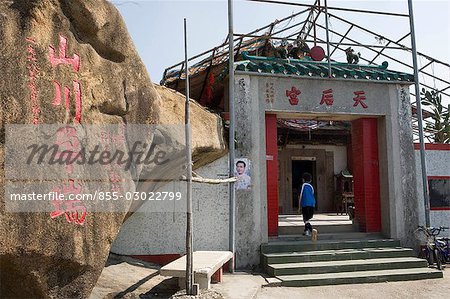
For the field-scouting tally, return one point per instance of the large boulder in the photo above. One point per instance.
(72, 61)
(203, 123)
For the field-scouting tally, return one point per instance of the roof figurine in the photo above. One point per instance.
(299, 50)
(352, 58)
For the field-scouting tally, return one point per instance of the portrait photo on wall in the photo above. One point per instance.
(242, 171)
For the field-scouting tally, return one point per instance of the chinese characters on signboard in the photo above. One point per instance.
(293, 95)
(270, 92)
(326, 99)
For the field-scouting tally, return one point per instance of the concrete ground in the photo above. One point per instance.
(129, 278)
(124, 277)
(430, 288)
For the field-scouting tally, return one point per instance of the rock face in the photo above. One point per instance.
(205, 150)
(72, 61)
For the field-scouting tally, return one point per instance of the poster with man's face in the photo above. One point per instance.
(242, 171)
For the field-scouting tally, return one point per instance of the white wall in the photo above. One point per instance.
(150, 233)
(438, 164)
(339, 153)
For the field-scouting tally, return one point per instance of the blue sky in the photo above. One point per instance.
(157, 26)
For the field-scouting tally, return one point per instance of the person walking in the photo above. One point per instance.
(307, 203)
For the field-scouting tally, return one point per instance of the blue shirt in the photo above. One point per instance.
(307, 196)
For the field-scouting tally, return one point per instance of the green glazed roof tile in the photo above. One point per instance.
(394, 75)
(302, 69)
(315, 69)
(349, 72)
(338, 71)
(253, 67)
(290, 68)
(266, 67)
(310, 68)
(278, 68)
(240, 67)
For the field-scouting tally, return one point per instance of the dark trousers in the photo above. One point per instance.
(308, 213)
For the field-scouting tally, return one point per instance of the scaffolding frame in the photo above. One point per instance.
(309, 30)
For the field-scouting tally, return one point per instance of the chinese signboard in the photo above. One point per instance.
(327, 96)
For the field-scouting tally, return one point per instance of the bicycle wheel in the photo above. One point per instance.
(429, 256)
(437, 258)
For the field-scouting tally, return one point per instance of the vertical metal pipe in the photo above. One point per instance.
(314, 22)
(189, 224)
(426, 201)
(232, 220)
(314, 27)
(328, 40)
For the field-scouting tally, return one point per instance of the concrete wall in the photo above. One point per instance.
(251, 205)
(153, 233)
(399, 212)
(438, 162)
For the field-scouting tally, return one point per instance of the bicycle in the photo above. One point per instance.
(437, 250)
(444, 246)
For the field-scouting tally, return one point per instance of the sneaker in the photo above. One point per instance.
(314, 235)
(307, 233)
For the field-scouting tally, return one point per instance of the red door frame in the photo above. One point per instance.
(366, 174)
(272, 174)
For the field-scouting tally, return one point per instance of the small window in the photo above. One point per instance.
(439, 188)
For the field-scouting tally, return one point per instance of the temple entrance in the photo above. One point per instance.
(342, 157)
(300, 165)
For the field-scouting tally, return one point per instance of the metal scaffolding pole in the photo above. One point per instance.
(328, 39)
(342, 39)
(232, 220)
(426, 201)
(333, 8)
(189, 220)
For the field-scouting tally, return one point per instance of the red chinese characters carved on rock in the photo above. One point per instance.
(77, 91)
(66, 138)
(74, 212)
(75, 62)
(293, 95)
(68, 146)
(327, 97)
(360, 96)
(62, 57)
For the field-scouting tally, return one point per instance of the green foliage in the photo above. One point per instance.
(441, 115)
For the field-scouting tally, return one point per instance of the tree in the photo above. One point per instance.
(441, 116)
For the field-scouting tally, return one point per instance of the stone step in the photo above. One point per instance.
(332, 228)
(345, 266)
(298, 246)
(329, 236)
(359, 277)
(336, 255)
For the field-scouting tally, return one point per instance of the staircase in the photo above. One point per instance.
(334, 259)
